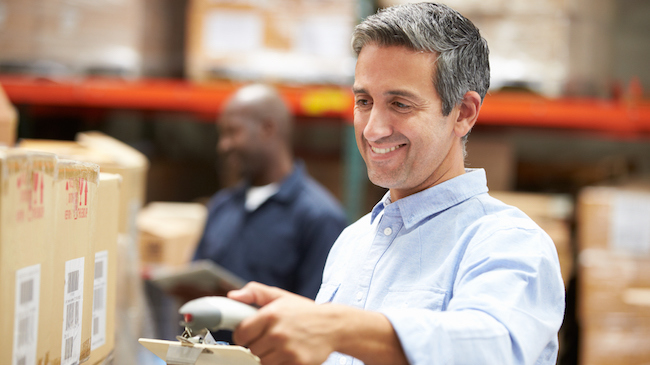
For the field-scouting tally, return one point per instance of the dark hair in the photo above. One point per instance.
(463, 56)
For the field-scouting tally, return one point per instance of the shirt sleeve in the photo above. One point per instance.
(506, 306)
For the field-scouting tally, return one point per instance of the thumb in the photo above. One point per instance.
(257, 294)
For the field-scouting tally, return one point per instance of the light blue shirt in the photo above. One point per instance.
(462, 277)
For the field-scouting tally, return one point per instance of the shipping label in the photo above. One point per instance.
(99, 300)
(72, 311)
(28, 288)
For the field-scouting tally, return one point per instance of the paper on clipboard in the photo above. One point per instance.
(202, 274)
(176, 353)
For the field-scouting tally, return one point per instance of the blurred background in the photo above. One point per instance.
(563, 134)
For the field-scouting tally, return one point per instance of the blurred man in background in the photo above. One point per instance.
(278, 224)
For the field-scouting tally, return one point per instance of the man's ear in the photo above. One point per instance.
(468, 113)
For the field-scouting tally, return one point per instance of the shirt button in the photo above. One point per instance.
(342, 360)
(388, 231)
(359, 295)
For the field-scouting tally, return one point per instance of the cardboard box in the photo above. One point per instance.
(552, 212)
(105, 279)
(26, 252)
(169, 232)
(60, 37)
(615, 218)
(613, 298)
(74, 259)
(287, 40)
(8, 120)
(615, 338)
(112, 156)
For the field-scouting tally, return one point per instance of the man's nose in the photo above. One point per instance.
(378, 126)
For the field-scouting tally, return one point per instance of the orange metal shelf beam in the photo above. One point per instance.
(499, 109)
(164, 94)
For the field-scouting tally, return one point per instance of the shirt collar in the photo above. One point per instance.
(435, 199)
(289, 187)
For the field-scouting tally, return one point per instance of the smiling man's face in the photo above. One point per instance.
(406, 142)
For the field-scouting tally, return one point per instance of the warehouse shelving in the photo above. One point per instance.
(499, 109)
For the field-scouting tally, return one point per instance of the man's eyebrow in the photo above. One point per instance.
(359, 90)
(403, 93)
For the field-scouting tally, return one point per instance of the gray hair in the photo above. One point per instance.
(463, 56)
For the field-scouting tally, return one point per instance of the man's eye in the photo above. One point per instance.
(362, 102)
(400, 105)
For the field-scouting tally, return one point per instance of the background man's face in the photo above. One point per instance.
(239, 141)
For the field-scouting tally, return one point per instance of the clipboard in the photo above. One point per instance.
(203, 274)
(177, 353)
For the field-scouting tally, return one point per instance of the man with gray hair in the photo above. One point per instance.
(438, 272)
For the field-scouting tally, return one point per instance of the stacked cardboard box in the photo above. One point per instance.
(552, 212)
(27, 200)
(72, 37)
(105, 279)
(287, 40)
(169, 233)
(58, 281)
(113, 156)
(614, 274)
(74, 221)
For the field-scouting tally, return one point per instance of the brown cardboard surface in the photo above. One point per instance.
(75, 218)
(106, 233)
(615, 338)
(26, 223)
(169, 232)
(283, 40)
(112, 156)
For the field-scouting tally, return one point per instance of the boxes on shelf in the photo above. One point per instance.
(276, 41)
(105, 279)
(8, 120)
(26, 256)
(614, 273)
(169, 232)
(113, 156)
(60, 37)
(552, 212)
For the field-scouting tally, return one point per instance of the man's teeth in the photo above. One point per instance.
(385, 150)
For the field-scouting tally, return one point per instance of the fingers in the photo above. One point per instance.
(257, 294)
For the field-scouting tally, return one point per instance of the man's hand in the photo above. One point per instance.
(288, 328)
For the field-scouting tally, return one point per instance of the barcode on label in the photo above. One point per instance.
(73, 281)
(99, 269)
(68, 348)
(95, 326)
(26, 291)
(72, 315)
(22, 361)
(98, 299)
(24, 334)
